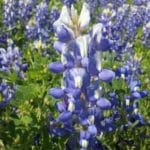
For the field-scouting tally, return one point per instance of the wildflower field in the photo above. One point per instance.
(74, 74)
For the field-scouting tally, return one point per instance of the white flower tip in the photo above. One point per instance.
(96, 94)
(97, 31)
(84, 18)
(63, 60)
(135, 110)
(91, 119)
(71, 107)
(127, 102)
(64, 17)
(78, 81)
(84, 143)
(74, 14)
(83, 42)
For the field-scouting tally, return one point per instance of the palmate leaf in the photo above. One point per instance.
(119, 84)
(27, 92)
(3, 75)
(26, 120)
(10, 77)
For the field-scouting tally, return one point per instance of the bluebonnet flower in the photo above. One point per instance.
(146, 35)
(96, 4)
(121, 25)
(6, 93)
(130, 72)
(54, 14)
(11, 59)
(116, 3)
(80, 103)
(25, 9)
(39, 27)
(10, 13)
(146, 13)
(93, 4)
(106, 75)
(83, 103)
(3, 38)
(15, 12)
(57, 93)
(140, 2)
(135, 20)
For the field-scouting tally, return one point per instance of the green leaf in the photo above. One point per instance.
(26, 92)
(26, 120)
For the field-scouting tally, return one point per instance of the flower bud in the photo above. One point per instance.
(104, 45)
(57, 93)
(136, 95)
(63, 33)
(92, 130)
(84, 143)
(24, 67)
(104, 103)
(56, 67)
(84, 18)
(60, 46)
(106, 75)
(61, 106)
(65, 116)
(143, 93)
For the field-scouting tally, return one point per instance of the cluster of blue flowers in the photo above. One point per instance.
(86, 109)
(17, 11)
(123, 24)
(10, 61)
(146, 35)
(40, 26)
(35, 18)
(128, 19)
(140, 2)
(6, 93)
(9, 13)
(146, 27)
(25, 9)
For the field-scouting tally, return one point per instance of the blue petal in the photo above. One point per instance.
(136, 95)
(56, 67)
(134, 84)
(106, 75)
(92, 67)
(24, 67)
(57, 93)
(59, 131)
(85, 62)
(104, 45)
(92, 130)
(75, 92)
(104, 103)
(84, 135)
(61, 106)
(65, 116)
(59, 46)
(63, 34)
(144, 93)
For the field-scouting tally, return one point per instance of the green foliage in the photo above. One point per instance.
(28, 114)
